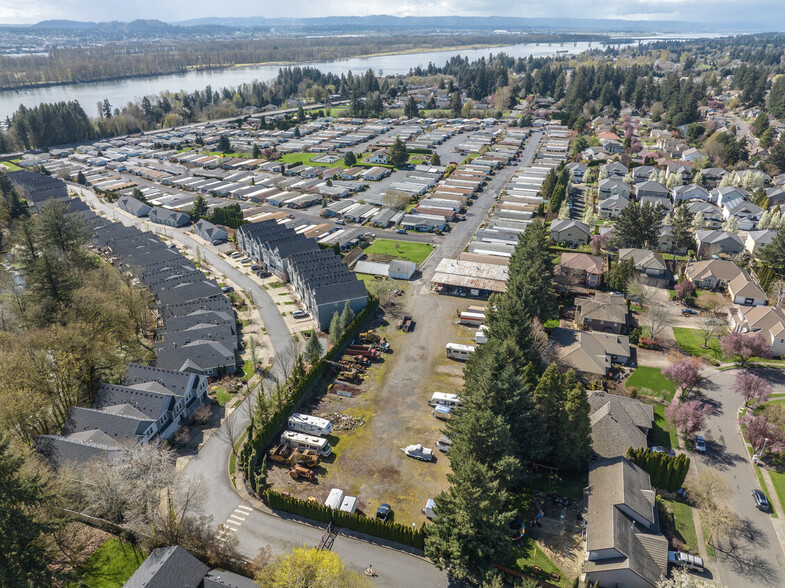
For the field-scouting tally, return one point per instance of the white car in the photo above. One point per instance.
(685, 560)
(418, 452)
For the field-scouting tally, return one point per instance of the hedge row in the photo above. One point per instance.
(260, 438)
(372, 526)
(666, 472)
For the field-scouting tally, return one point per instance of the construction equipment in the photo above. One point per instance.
(280, 453)
(285, 454)
(351, 376)
(299, 471)
(372, 338)
(363, 350)
(307, 458)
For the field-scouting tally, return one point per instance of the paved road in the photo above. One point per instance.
(754, 557)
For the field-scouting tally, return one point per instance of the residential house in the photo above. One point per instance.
(380, 157)
(650, 263)
(689, 192)
(210, 232)
(614, 169)
(610, 208)
(721, 196)
(133, 206)
(572, 232)
(747, 213)
(590, 354)
(201, 356)
(712, 274)
(665, 239)
(768, 321)
(613, 186)
(618, 423)
(577, 171)
(692, 154)
(711, 214)
(650, 189)
(743, 290)
(624, 546)
(776, 195)
(580, 268)
(757, 239)
(641, 174)
(170, 218)
(602, 312)
(712, 176)
(717, 243)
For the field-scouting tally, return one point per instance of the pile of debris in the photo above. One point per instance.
(344, 422)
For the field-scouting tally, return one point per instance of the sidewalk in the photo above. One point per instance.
(779, 523)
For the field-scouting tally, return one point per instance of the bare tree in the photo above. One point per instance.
(541, 347)
(710, 328)
(777, 293)
(657, 316)
(230, 432)
(395, 199)
(710, 492)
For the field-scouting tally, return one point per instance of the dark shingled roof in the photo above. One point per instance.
(175, 381)
(168, 567)
(114, 425)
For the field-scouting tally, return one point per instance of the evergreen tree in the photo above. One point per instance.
(256, 152)
(618, 277)
(564, 407)
(773, 253)
(24, 559)
(681, 228)
(471, 529)
(410, 109)
(313, 349)
(398, 153)
(199, 209)
(335, 328)
(456, 104)
(350, 159)
(435, 159)
(347, 316)
(638, 226)
(224, 146)
(80, 178)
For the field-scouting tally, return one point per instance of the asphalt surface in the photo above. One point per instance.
(754, 557)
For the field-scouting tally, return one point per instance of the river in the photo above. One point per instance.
(120, 92)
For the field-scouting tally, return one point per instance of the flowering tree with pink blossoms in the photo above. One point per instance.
(684, 289)
(688, 417)
(743, 347)
(752, 387)
(686, 374)
(757, 429)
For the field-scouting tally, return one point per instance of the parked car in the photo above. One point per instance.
(401, 231)
(660, 449)
(761, 502)
(227, 289)
(700, 444)
(688, 311)
(384, 512)
(418, 452)
(340, 221)
(298, 314)
(685, 560)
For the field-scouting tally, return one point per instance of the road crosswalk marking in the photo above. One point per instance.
(234, 521)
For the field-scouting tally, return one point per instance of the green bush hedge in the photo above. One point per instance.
(666, 472)
(372, 526)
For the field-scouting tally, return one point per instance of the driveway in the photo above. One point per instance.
(754, 557)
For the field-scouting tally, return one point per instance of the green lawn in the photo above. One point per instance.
(652, 379)
(221, 395)
(416, 252)
(526, 554)
(110, 566)
(691, 341)
(662, 433)
(765, 488)
(305, 159)
(685, 527)
(248, 370)
(9, 166)
(778, 480)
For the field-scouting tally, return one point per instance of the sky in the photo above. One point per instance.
(766, 12)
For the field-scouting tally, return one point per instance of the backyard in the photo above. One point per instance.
(659, 390)
(109, 566)
(408, 250)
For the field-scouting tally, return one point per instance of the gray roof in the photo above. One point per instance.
(644, 259)
(175, 381)
(134, 206)
(151, 403)
(168, 567)
(618, 423)
(75, 449)
(197, 357)
(224, 579)
(118, 425)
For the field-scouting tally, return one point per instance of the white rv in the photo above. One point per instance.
(303, 441)
(459, 351)
(334, 498)
(310, 425)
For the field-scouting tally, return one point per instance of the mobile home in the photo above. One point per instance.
(334, 499)
(444, 399)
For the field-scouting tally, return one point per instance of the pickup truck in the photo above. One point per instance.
(685, 560)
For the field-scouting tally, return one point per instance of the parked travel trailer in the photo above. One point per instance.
(472, 319)
(310, 425)
(334, 498)
(459, 351)
(349, 504)
(303, 441)
(444, 399)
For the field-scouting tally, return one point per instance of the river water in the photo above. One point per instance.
(120, 92)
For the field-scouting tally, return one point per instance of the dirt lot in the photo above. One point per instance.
(368, 462)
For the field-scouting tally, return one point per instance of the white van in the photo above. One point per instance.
(481, 336)
(459, 351)
(309, 424)
(303, 441)
(334, 499)
(444, 399)
(349, 504)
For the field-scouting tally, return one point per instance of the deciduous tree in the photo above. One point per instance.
(686, 374)
(742, 347)
(752, 388)
(688, 417)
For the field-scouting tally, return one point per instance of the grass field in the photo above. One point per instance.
(691, 341)
(248, 370)
(9, 166)
(778, 480)
(221, 395)
(526, 554)
(652, 379)
(416, 252)
(662, 433)
(110, 566)
(305, 159)
(685, 527)
(766, 491)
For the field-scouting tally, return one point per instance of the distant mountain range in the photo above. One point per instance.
(380, 23)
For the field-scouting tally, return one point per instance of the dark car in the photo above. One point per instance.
(761, 502)
(401, 231)
(384, 512)
(688, 311)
